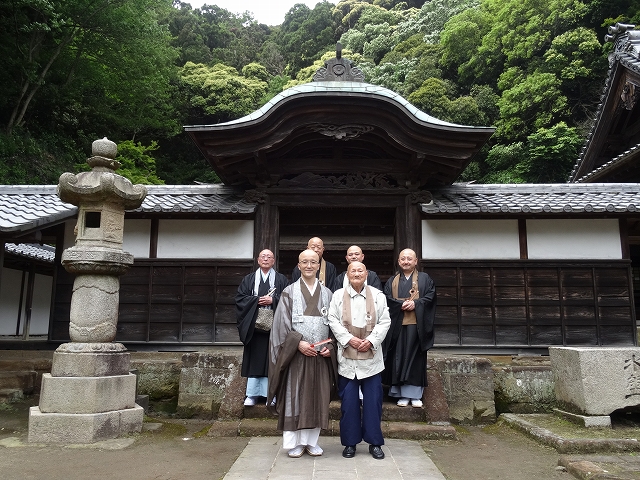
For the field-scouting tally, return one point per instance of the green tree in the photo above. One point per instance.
(218, 94)
(551, 154)
(137, 164)
(305, 34)
(529, 103)
(61, 56)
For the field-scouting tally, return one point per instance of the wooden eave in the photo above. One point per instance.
(283, 139)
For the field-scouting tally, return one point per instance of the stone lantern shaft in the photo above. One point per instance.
(90, 394)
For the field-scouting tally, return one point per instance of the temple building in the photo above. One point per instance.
(518, 268)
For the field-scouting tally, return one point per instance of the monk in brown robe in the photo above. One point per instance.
(302, 368)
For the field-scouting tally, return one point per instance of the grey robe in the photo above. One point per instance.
(301, 385)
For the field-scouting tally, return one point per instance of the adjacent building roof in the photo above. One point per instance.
(534, 199)
(611, 151)
(45, 253)
(27, 207)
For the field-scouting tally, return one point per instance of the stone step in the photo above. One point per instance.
(23, 380)
(254, 427)
(10, 395)
(390, 412)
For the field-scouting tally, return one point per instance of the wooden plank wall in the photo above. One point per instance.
(533, 304)
(510, 304)
(169, 302)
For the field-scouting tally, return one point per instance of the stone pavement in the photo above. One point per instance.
(404, 460)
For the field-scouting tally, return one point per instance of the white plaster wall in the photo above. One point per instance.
(470, 239)
(9, 300)
(597, 239)
(41, 305)
(9, 303)
(231, 239)
(137, 237)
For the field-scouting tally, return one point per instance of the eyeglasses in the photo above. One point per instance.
(309, 262)
(266, 256)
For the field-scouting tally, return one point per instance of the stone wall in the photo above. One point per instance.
(211, 385)
(524, 388)
(463, 389)
(467, 383)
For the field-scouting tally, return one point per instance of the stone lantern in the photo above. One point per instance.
(90, 393)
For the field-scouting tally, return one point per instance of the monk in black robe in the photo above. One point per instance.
(411, 297)
(354, 254)
(326, 273)
(254, 294)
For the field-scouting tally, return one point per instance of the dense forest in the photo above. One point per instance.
(136, 71)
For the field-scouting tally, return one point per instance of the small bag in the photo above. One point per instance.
(264, 320)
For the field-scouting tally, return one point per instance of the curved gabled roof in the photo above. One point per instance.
(338, 127)
(611, 149)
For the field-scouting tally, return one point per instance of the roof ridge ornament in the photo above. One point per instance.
(624, 37)
(339, 69)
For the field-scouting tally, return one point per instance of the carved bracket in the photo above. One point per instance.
(422, 196)
(629, 95)
(255, 196)
(341, 132)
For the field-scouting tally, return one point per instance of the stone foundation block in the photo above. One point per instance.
(23, 380)
(468, 387)
(196, 405)
(596, 380)
(78, 395)
(72, 364)
(524, 389)
(82, 428)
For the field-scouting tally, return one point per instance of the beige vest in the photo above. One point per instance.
(360, 332)
(409, 317)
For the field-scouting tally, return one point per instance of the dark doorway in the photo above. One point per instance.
(372, 229)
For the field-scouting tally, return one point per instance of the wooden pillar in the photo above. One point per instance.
(522, 236)
(266, 231)
(408, 232)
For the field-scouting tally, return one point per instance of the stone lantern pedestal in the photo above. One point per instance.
(90, 394)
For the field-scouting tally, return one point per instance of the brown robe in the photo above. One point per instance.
(301, 385)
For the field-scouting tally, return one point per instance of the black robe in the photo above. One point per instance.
(330, 273)
(402, 365)
(255, 361)
(372, 280)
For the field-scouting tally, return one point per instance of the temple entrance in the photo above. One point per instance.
(372, 229)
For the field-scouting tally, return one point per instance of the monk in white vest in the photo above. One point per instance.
(359, 319)
(302, 360)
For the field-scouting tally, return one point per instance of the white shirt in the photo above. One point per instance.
(348, 367)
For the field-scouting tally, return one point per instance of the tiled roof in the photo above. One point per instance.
(624, 157)
(25, 207)
(194, 199)
(34, 251)
(535, 199)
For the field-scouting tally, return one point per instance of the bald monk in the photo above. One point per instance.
(359, 319)
(326, 274)
(411, 296)
(302, 360)
(354, 254)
